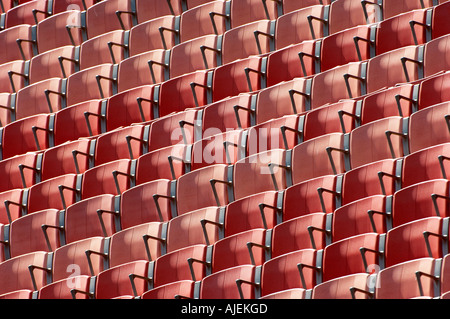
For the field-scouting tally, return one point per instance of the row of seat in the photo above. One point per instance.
(301, 268)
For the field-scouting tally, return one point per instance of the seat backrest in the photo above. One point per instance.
(247, 11)
(12, 51)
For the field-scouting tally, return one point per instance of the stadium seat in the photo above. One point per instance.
(16, 274)
(14, 76)
(38, 98)
(303, 198)
(247, 11)
(27, 234)
(71, 259)
(97, 82)
(205, 193)
(56, 63)
(140, 205)
(7, 108)
(24, 49)
(253, 174)
(136, 71)
(81, 120)
(110, 47)
(116, 282)
(31, 13)
(253, 38)
(434, 118)
(432, 48)
(67, 158)
(347, 14)
(283, 64)
(149, 10)
(439, 22)
(91, 217)
(421, 200)
(128, 245)
(61, 6)
(34, 135)
(400, 281)
(61, 289)
(224, 284)
(292, 5)
(179, 289)
(102, 17)
(61, 29)
(15, 201)
(297, 269)
(175, 266)
(294, 293)
(298, 233)
(153, 32)
(259, 210)
(19, 171)
(345, 287)
(194, 55)
(247, 76)
(417, 239)
(426, 164)
(433, 90)
(208, 18)
(371, 214)
(18, 294)
(389, 8)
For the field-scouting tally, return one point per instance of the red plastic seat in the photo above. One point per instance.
(56, 63)
(294, 293)
(6, 112)
(396, 32)
(433, 48)
(13, 168)
(110, 178)
(234, 250)
(34, 99)
(187, 229)
(128, 245)
(194, 189)
(303, 198)
(298, 21)
(177, 289)
(115, 282)
(12, 50)
(97, 82)
(344, 257)
(294, 234)
(282, 64)
(378, 145)
(282, 272)
(365, 215)
(15, 273)
(377, 178)
(52, 32)
(60, 160)
(439, 22)
(292, 5)
(81, 120)
(18, 294)
(196, 21)
(412, 241)
(90, 217)
(109, 47)
(391, 8)
(425, 165)
(150, 30)
(253, 38)
(14, 76)
(15, 204)
(253, 175)
(234, 74)
(400, 281)
(174, 266)
(260, 210)
(130, 106)
(343, 287)
(47, 194)
(71, 260)
(347, 14)
(27, 236)
(177, 94)
(64, 5)
(27, 142)
(434, 118)
(222, 148)
(433, 90)
(152, 9)
(61, 289)
(102, 18)
(247, 11)
(30, 12)
(220, 116)
(138, 204)
(420, 200)
(222, 284)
